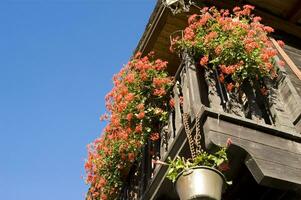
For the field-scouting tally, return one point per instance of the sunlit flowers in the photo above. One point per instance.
(235, 45)
(137, 108)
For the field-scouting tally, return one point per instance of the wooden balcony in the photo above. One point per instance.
(265, 158)
(265, 132)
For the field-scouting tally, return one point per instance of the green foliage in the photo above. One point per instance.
(180, 164)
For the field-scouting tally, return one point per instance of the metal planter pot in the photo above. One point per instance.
(200, 183)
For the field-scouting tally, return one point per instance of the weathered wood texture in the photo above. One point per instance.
(273, 160)
(295, 55)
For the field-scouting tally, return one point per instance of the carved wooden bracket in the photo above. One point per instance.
(273, 159)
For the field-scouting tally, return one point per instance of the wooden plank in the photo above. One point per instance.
(274, 175)
(244, 133)
(287, 59)
(291, 99)
(283, 158)
(185, 91)
(178, 114)
(259, 150)
(279, 7)
(193, 85)
(295, 13)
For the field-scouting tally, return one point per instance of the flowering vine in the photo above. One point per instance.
(137, 108)
(236, 45)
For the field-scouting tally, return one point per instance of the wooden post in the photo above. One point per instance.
(214, 99)
(193, 83)
(178, 113)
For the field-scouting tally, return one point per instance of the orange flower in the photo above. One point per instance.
(103, 197)
(131, 157)
(141, 115)
(224, 166)
(221, 78)
(159, 92)
(129, 116)
(154, 136)
(138, 128)
(230, 87)
(140, 106)
(204, 60)
(172, 102)
(281, 63)
(281, 43)
(130, 97)
(130, 78)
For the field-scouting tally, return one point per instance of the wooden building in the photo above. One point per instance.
(265, 158)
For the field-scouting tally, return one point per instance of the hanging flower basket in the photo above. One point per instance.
(200, 183)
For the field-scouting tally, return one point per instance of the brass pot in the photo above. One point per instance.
(200, 183)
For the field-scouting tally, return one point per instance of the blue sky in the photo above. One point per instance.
(57, 58)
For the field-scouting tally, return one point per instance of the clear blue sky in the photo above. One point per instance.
(57, 58)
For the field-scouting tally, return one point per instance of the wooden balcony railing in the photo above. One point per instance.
(196, 90)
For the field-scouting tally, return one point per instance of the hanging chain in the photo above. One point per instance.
(198, 136)
(189, 134)
(194, 143)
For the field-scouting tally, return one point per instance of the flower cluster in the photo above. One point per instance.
(236, 45)
(137, 108)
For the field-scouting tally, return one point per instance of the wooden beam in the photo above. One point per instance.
(295, 13)
(296, 17)
(272, 160)
(287, 59)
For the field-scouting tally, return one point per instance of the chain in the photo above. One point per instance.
(188, 133)
(198, 136)
(194, 143)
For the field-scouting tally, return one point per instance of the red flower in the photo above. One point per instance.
(154, 136)
(281, 63)
(257, 19)
(130, 97)
(218, 50)
(102, 182)
(172, 102)
(188, 34)
(236, 9)
(268, 29)
(140, 106)
(248, 7)
(141, 115)
(103, 117)
(221, 78)
(229, 142)
(103, 197)
(123, 156)
(129, 116)
(211, 36)
(138, 128)
(192, 18)
(131, 157)
(281, 43)
(224, 167)
(138, 55)
(230, 87)
(204, 60)
(159, 92)
(130, 78)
